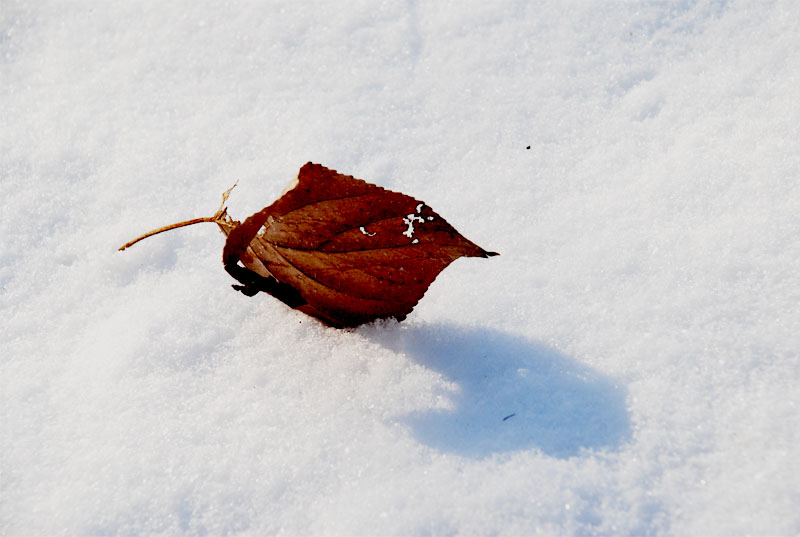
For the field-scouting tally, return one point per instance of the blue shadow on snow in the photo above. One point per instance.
(513, 395)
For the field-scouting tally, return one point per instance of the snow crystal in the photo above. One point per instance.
(409, 221)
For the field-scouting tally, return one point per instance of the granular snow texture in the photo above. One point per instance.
(629, 365)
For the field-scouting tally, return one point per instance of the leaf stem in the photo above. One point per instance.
(167, 228)
(218, 217)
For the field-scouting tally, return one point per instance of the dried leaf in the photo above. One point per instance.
(340, 249)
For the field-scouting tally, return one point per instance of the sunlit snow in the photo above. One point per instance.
(627, 366)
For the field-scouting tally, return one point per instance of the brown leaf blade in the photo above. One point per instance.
(344, 250)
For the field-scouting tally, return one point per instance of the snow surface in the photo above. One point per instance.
(628, 365)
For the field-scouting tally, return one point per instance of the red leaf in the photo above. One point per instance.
(345, 251)
(338, 248)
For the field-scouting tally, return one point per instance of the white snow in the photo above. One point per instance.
(409, 220)
(628, 366)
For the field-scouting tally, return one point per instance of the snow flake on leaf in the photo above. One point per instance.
(411, 218)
